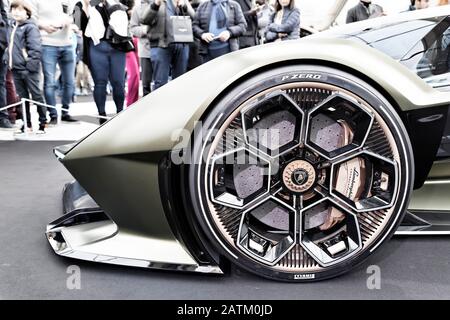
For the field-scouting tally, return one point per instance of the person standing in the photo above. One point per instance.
(132, 67)
(140, 31)
(55, 23)
(11, 94)
(167, 58)
(265, 13)
(250, 36)
(4, 41)
(218, 24)
(24, 55)
(105, 59)
(419, 4)
(364, 10)
(195, 59)
(132, 63)
(285, 22)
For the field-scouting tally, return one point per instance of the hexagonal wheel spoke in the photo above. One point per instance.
(238, 177)
(337, 126)
(273, 124)
(329, 232)
(365, 181)
(268, 231)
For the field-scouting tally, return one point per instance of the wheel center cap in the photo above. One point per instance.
(299, 176)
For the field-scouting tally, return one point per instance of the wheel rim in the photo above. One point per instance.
(279, 198)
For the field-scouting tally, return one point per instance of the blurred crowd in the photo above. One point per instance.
(69, 48)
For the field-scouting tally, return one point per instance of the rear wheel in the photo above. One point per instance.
(302, 173)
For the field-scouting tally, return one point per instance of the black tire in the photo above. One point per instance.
(394, 132)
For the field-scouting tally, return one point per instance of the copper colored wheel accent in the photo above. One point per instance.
(272, 229)
(299, 176)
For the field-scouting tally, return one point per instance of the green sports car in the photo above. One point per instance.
(294, 160)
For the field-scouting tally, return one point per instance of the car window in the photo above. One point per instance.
(402, 36)
(430, 57)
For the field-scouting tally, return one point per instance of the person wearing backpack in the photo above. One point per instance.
(105, 51)
(165, 56)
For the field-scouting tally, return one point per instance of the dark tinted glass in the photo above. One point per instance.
(430, 57)
(397, 39)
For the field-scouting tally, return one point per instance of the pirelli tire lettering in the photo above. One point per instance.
(299, 76)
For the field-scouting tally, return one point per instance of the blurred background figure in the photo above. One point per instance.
(419, 4)
(133, 74)
(443, 2)
(4, 39)
(168, 59)
(56, 24)
(218, 24)
(250, 37)
(194, 57)
(132, 63)
(83, 80)
(285, 22)
(140, 31)
(25, 53)
(364, 10)
(11, 94)
(264, 16)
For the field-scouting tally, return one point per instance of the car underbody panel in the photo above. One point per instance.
(85, 232)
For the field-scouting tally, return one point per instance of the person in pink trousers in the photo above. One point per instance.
(133, 75)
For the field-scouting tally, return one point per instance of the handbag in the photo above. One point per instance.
(179, 29)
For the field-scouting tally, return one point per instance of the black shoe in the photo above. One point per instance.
(41, 128)
(53, 122)
(29, 129)
(6, 124)
(102, 120)
(68, 118)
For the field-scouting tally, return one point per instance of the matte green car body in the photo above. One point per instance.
(118, 164)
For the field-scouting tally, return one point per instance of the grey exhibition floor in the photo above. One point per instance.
(30, 192)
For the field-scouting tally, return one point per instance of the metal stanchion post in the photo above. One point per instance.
(25, 118)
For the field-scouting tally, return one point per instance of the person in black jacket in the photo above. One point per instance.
(219, 24)
(24, 57)
(4, 38)
(250, 36)
(364, 10)
(168, 59)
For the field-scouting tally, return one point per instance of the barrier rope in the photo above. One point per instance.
(59, 109)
